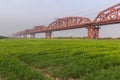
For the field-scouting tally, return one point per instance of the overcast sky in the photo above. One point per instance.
(17, 15)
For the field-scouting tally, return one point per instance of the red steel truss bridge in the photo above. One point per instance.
(106, 17)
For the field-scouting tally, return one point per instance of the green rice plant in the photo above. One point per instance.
(12, 69)
(62, 58)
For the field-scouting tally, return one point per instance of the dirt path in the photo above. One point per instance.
(1, 78)
(49, 76)
(45, 74)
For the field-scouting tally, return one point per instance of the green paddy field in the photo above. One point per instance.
(59, 59)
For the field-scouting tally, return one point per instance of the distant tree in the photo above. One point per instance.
(3, 37)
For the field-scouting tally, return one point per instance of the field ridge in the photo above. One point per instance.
(47, 75)
(2, 78)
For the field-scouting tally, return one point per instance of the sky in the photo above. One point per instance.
(18, 15)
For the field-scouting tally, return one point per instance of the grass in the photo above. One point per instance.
(20, 59)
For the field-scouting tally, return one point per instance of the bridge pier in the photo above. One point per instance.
(96, 32)
(48, 34)
(24, 35)
(33, 35)
(19, 36)
(90, 32)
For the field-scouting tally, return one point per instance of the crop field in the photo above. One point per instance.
(59, 59)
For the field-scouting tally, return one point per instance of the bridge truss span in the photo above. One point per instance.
(69, 23)
(108, 16)
(39, 29)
